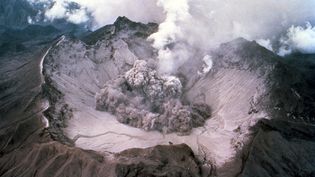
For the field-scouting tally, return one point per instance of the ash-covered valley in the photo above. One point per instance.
(99, 105)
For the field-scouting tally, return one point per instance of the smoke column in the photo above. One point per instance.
(169, 38)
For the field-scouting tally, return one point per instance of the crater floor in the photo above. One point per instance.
(232, 92)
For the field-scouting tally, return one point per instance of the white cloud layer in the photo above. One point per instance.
(107, 11)
(204, 24)
(103, 12)
(189, 25)
(299, 38)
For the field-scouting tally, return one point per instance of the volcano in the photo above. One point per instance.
(98, 106)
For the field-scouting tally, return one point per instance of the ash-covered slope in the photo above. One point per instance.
(72, 63)
(253, 80)
(284, 145)
(248, 83)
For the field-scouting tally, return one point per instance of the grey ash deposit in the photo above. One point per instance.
(145, 99)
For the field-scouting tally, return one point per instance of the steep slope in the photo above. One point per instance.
(72, 63)
(247, 83)
(15, 13)
(42, 157)
(281, 148)
(284, 145)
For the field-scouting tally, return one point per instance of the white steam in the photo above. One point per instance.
(207, 65)
(265, 43)
(169, 42)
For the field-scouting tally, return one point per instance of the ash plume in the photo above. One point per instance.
(144, 99)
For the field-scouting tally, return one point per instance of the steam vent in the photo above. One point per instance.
(157, 88)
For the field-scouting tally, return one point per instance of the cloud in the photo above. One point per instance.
(66, 9)
(77, 16)
(106, 11)
(100, 12)
(206, 21)
(58, 10)
(300, 39)
(199, 25)
(187, 26)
